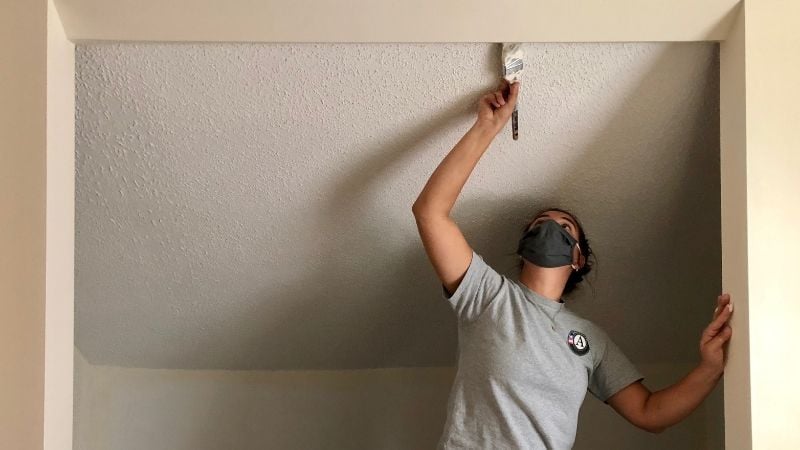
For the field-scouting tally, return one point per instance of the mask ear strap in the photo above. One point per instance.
(579, 256)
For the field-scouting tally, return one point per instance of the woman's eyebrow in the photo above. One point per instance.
(571, 221)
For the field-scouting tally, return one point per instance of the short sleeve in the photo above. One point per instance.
(613, 372)
(481, 284)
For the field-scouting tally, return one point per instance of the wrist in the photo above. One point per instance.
(485, 129)
(710, 370)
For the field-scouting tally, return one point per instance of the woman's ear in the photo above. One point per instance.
(581, 258)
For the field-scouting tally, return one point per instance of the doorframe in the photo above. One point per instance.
(755, 39)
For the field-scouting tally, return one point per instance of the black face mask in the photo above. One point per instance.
(547, 245)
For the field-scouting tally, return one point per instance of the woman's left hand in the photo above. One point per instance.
(716, 335)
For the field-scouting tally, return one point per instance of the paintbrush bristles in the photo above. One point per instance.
(512, 62)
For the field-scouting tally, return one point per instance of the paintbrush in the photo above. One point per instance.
(512, 72)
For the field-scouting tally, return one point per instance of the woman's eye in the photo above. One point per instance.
(565, 225)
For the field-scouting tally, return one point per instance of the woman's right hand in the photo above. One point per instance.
(495, 108)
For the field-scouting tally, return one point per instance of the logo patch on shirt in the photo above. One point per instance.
(578, 342)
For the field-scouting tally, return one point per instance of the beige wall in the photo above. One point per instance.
(381, 409)
(36, 210)
(760, 113)
(22, 222)
(407, 21)
(772, 43)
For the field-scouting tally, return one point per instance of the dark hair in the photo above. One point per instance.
(575, 277)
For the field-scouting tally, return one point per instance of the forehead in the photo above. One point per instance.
(555, 215)
(558, 216)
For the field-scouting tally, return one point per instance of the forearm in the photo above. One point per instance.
(445, 184)
(669, 406)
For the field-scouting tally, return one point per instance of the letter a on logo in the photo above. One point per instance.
(578, 342)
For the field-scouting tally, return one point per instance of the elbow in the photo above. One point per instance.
(648, 422)
(426, 210)
(653, 429)
(420, 209)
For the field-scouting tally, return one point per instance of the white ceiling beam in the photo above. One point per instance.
(397, 21)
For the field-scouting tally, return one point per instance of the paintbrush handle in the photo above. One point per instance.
(514, 124)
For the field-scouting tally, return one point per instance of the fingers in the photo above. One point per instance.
(513, 92)
(490, 99)
(722, 300)
(722, 337)
(719, 331)
(497, 97)
(723, 314)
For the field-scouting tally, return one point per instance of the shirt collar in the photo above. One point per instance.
(538, 298)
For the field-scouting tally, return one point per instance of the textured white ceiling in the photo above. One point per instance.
(249, 205)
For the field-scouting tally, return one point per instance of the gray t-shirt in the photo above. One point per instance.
(524, 365)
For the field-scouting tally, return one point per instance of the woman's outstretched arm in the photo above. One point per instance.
(445, 184)
(445, 245)
(661, 409)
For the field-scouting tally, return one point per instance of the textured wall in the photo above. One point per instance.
(249, 206)
(373, 409)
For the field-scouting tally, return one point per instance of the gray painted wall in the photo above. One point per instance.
(249, 206)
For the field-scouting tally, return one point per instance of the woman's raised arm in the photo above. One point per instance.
(445, 245)
(445, 184)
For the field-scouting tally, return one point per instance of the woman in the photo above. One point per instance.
(525, 360)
